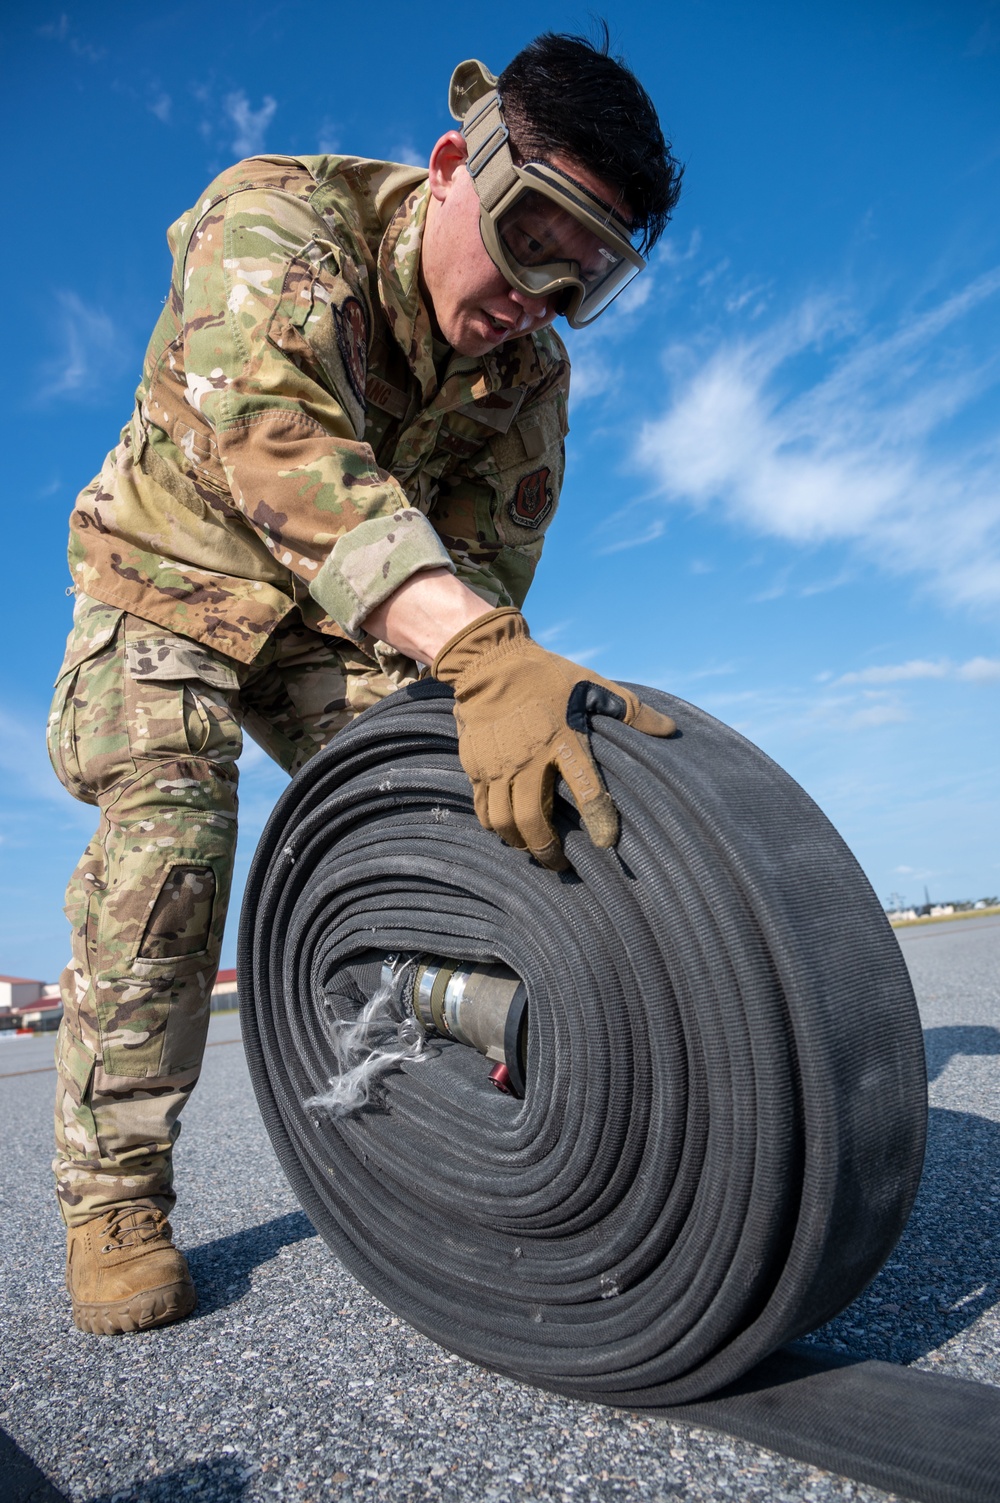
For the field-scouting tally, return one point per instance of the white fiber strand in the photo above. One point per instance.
(366, 1048)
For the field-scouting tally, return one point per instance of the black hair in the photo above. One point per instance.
(562, 95)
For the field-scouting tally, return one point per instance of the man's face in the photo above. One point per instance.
(473, 305)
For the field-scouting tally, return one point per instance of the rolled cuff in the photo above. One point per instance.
(369, 563)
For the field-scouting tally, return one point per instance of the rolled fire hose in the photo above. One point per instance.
(723, 1116)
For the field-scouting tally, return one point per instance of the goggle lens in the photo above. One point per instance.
(537, 233)
(549, 246)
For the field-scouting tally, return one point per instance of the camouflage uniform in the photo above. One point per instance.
(294, 456)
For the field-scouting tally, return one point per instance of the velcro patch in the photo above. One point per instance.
(532, 501)
(352, 340)
(496, 409)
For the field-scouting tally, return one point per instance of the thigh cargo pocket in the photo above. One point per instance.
(154, 1021)
(180, 920)
(160, 934)
(160, 950)
(180, 696)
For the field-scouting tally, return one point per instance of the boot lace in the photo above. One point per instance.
(131, 1226)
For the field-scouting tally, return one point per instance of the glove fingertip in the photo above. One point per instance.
(601, 822)
(552, 856)
(651, 723)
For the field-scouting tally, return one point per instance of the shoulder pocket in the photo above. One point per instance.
(322, 324)
(529, 471)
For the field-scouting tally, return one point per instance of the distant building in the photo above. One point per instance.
(15, 991)
(29, 1004)
(42, 1016)
(224, 993)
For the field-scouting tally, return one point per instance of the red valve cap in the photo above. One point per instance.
(500, 1076)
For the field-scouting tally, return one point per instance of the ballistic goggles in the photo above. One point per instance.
(546, 233)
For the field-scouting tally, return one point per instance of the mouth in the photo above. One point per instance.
(508, 328)
(497, 325)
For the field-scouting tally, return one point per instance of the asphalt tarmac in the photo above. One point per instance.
(292, 1382)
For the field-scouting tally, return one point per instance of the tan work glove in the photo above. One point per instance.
(522, 720)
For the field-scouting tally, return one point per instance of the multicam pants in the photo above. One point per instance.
(148, 726)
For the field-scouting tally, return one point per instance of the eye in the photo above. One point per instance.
(527, 248)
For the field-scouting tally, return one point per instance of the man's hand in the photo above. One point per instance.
(522, 721)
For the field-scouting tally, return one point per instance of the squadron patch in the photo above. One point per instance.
(352, 341)
(532, 501)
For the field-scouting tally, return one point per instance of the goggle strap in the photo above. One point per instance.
(486, 135)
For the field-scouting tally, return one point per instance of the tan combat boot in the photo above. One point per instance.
(125, 1274)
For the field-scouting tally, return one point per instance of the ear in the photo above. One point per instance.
(449, 154)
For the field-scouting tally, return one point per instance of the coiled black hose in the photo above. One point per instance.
(724, 1123)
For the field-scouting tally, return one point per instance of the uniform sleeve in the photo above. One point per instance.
(276, 328)
(493, 512)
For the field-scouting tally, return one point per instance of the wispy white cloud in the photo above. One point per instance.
(593, 374)
(554, 636)
(894, 673)
(776, 715)
(63, 31)
(24, 763)
(980, 670)
(976, 670)
(596, 369)
(649, 534)
(328, 138)
(160, 105)
(584, 655)
(799, 714)
(784, 586)
(916, 873)
(550, 634)
(717, 670)
(250, 124)
(874, 701)
(815, 430)
(636, 295)
(405, 151)
(91, 350)
(824, 586)
(877, 714)
(752, 297)
(672, 252)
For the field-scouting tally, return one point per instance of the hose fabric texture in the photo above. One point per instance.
(723, 1128)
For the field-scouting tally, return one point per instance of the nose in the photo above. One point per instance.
(533, 307)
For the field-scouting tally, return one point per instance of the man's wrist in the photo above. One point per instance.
(425, 613)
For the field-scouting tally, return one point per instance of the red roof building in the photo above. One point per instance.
(224, 993)
(29, 1004)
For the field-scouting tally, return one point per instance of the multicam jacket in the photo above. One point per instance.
(293, 443)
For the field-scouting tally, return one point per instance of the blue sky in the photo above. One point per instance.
(783, 493)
